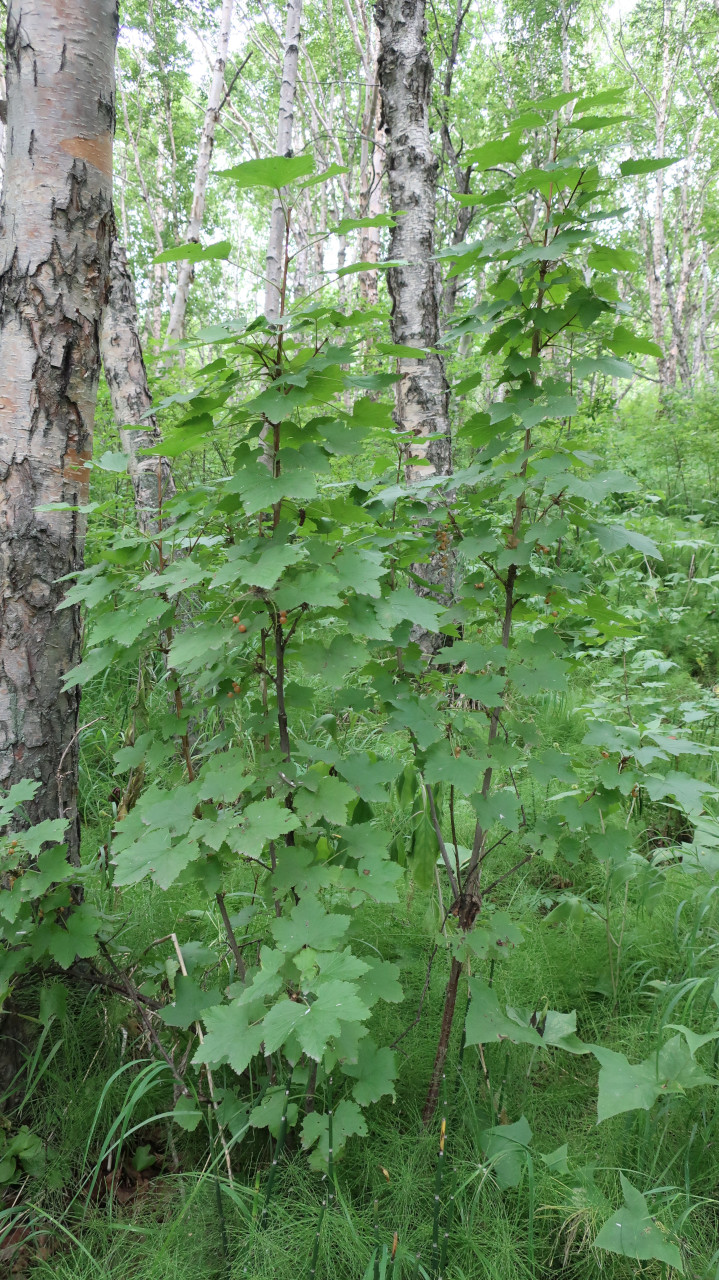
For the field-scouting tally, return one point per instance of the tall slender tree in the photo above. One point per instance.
(55, 231)
(405, 78)
(215, 100)
(126, 377)
(422, 392)
(285, 123)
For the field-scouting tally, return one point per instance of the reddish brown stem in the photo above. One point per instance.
(450, 1001)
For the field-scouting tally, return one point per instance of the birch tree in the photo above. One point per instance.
(405, 78)
(55, 231)
(422, 392)
(285, 122)
(202, 173)
(3, 117)
(126, 378)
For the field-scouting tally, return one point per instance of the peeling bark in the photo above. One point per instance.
(422, 393)
(285, 122)
(126, 378)
(55, 225)
(3, 114)
(405, 77)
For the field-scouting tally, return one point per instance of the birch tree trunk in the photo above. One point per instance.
(126, 378)
(370, 201)
(204, 155)
(666, 367)
(3, 117)
(285, 122)
(405, 78)
(462, 176)
(55, 226)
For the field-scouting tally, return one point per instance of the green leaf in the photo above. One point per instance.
(229, 1037)
(337, 1002)
(624, 342)
(556, 1161)
(486, 1023)
(115, 462)
(369, 778)
(189, 1004)
(308, 924)
(505, 1147)
(261, 570)
(424, 851)
(381, 982)
(352, 224)
(462, 772)
(76, 937)
(588, 123)
(609, 365)
(328, 801)
(634, 1233)
(269, 1112)
(485, 689)
(155, 856)
(615, 536)
(224, 777)
(375, 1072)
(557, 1030)
(356, 267)
(628, 168)
(273, 171)
(53, 1003)
(194, 252)
(186, 1114)
(501, 806)
(347, 1121)
(605, 98)
(500, 151)
(608, 258)
(334, 171)
(260, 822)
(395, 349)
(281, 1021)
(624, 1086)
(404, 605)
(689, 792)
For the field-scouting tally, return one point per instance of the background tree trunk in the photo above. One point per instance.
(126, 378)
(55, 227)
(285, 122)
(3, 117)
(405, 77)
(422, 394)
(204, 155)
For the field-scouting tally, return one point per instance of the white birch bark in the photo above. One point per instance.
(405, 77)
(202, 173)
(371, 170)
(422, 393)
(55, 227)
(285, 122)
(126, 378)
(3, 115)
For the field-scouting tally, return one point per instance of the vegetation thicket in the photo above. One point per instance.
(392, 946)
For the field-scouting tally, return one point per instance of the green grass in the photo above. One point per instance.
(179, 1227)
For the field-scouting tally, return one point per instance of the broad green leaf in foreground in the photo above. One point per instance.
(624, 1086)
(194, 252)
(272, 171)
(632, 1232)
